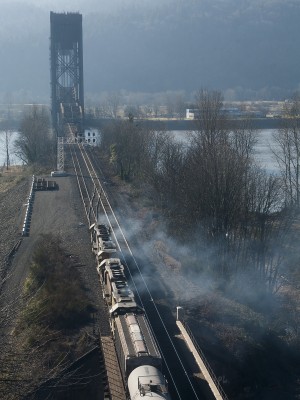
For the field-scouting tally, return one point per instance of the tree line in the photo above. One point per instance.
(212, 189)
(209, 188)
(36, 144)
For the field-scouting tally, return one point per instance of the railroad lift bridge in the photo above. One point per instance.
(66, 65)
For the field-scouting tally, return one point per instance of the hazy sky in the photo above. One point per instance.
(247, 48)
(62, 5)
(83, 6)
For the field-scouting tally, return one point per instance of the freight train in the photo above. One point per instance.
(138, 355)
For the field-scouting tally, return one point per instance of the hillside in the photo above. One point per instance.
(246, 48)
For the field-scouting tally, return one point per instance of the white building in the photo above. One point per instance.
(92, 136)
(191, 113)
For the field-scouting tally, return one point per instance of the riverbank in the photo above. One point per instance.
(171, 124)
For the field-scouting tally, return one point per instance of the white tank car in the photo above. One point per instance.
(147, 381)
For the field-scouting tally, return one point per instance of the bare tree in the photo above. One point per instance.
(7, 144)
(167, 176)
(180, 106)
(134, 150)
(123, 139)
(287, 151)
(170, 103)
(233, 201)
(213, 186)
(211, 122)
(175, 103)
(154, 157)
(7, 130)
(244, 138)
(156, 109)
(112, 104)
(7, 148)
(133, 111)
(36, 143)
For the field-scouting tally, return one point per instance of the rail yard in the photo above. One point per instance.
(141, 274)
(78, 200)
(82, 199)
(130, 337)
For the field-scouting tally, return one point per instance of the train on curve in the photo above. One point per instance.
(139, 358)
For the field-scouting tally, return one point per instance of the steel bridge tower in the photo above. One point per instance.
(66, 59)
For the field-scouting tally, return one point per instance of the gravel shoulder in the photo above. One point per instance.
(11, 210)
(58, 212)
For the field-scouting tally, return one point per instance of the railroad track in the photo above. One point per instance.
(97, 206)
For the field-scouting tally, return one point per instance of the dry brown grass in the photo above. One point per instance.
(12, 176)
(168, 261)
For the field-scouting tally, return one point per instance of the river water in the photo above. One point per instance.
(14, 160)
(263, 152)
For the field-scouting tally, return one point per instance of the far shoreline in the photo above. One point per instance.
(170, 124)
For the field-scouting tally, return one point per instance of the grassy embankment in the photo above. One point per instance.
(49, 334)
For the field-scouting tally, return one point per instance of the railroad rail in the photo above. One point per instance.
(97, 206)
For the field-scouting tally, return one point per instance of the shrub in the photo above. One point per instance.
(58, 298)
